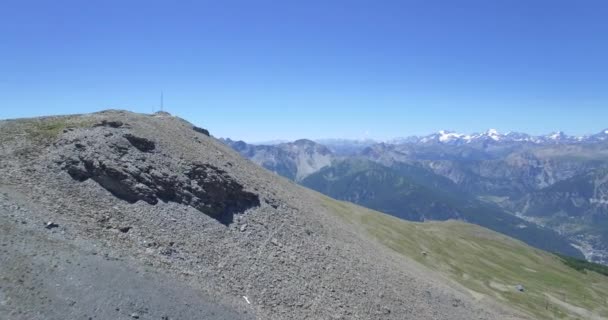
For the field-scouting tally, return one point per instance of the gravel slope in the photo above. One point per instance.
(278, 255)
(46, 276)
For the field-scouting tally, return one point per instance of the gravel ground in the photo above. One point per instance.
(143, 205)
(44, 276)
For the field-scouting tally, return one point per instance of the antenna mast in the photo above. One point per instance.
(162, 102)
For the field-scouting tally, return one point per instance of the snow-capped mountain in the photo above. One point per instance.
(455, 138)
(493, 136)
(598, 137)
(443, 136)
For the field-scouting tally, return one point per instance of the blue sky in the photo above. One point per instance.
(262, 70)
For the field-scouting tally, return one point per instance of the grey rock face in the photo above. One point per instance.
(294, 160)
(126, 165)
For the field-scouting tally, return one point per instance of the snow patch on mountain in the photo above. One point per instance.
(557, 135)
(494, 136)
(445, 136)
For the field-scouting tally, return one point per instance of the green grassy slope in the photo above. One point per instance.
(488, 264)
(414, 194)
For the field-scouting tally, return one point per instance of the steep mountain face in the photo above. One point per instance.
(294, 160)
(513, 176)
(381, 188)
(308, 155)
(577, 206)
(415, 194)
(583, 196)
(270, 157)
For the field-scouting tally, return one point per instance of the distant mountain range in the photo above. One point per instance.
(550, 191)
(495, 137)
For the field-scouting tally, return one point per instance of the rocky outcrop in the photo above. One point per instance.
(201, 130)
(142, 144)
(111, 124)
(126, 165)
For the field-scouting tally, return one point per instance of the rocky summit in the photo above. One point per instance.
(118, 215)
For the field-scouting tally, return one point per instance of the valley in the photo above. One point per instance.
(548, 191)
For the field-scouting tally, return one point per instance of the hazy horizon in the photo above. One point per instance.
(279, 139)
(347, 69)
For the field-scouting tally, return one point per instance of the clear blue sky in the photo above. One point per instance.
(260, 70)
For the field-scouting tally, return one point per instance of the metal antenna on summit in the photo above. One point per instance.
(162, 103)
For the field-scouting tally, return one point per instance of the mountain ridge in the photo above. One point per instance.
(453, 137)
(492, 135)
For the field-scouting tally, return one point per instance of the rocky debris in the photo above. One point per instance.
(51, 225)
(45, 276)
(457, 303)
(129, 171)
(142, 144)
(200, 130)
(243, 227)
(168, 251)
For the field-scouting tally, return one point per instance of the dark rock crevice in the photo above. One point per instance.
(111, 124)
(142, 144)
(201, 130)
